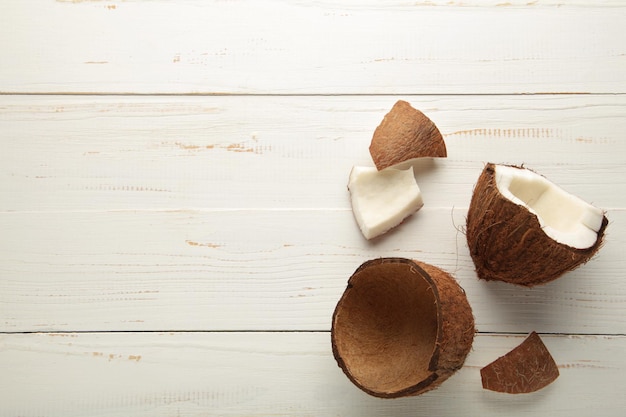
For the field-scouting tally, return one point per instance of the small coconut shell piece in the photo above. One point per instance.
(405, 133)
(401, 328)
(527, 368)
(508, 243)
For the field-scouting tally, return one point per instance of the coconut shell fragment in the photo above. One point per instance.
(405, 133)
(507, 242)
(527, 368)
(401, 327)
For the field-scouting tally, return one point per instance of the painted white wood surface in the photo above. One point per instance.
(176, 166)
(278, 374)
(262, 270)
(105, 153)
(319, 47)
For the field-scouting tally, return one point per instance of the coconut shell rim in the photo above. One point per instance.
(434, 359)
(600, 233)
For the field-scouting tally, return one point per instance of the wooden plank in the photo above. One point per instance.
(312, 47)
(284, 374)
(102, 153)
(262, 270)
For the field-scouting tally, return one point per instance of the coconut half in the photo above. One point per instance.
(405, 133)
(524, 229)
(401, 327)
(381, 200)
(527, 368)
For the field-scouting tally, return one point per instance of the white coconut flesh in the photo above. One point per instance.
(382, 199)
(564, 217)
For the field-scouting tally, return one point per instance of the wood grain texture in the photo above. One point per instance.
(176, 166)
(103, 153)
(285, 374)
(262, 270)
(312, 47)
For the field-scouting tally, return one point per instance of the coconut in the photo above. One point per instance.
(401, 328)
(381, 200)
(523, 229)
(384, 196)
(527, 368)
(405, 133)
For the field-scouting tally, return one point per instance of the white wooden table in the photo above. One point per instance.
(175, 229)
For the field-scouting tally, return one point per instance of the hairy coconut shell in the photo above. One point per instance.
(401, 328)
(527, 368)
(506, 241)
(405, 133)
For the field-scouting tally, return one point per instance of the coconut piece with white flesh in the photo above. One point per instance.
(524, 229)
(384, 196)
(562, 216)
(381, 200)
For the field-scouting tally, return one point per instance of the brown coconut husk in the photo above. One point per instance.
(527, 368)
(507, 243)
(401, 328)
(405, 133)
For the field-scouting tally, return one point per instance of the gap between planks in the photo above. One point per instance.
(272, 95)
(270, 331)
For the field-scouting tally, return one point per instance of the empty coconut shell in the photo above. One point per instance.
(405, 133)
(401, 328)
(507, 242)
(527, 368)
